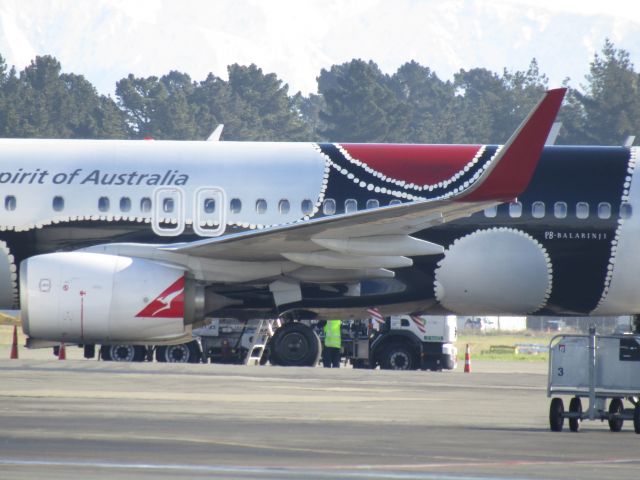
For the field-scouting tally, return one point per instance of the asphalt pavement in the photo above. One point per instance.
(81, 419)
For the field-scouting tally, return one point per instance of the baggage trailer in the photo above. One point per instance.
(599, 368)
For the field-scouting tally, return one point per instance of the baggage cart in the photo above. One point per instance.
(599, 368)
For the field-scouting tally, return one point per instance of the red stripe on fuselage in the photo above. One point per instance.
(419, 164)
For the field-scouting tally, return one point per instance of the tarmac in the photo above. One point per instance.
(86, 419)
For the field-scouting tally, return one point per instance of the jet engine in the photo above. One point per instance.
(82, 297)
(497, 271)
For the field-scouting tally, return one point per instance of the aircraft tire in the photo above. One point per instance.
(575, 406)
(295, 345)
(616, 406)
(556, 411)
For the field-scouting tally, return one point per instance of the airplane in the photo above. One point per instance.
(136, 242)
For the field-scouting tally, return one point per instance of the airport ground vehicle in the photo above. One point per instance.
(400, 343)
(403, 342)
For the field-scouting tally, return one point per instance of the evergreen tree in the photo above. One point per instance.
(481, 104)
(360, 105)
(43, 102)
(610, 104)
(492, 105)
(138, 98)
(431, 104)
(262, 106)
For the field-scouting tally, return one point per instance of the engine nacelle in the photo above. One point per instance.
(80, 297)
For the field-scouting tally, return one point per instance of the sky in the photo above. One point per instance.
(105, 40)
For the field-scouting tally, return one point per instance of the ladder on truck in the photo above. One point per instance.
(264, 331)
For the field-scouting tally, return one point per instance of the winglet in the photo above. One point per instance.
(512, 169)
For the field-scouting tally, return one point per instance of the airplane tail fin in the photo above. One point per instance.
(511, 171)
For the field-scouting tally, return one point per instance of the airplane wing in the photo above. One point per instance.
(366, 242)
(502, 180)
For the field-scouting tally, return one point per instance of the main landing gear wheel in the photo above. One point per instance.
(556, 412)
(123, 353)
(295, 345)
(183, 353)
(575, 406)
(616, 407)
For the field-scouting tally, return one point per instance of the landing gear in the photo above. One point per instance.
(295, 345)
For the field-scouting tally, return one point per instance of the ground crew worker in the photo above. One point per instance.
(332, 344)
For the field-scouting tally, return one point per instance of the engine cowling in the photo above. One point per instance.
(81, 297)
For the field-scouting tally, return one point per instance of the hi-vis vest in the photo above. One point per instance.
(332, 334)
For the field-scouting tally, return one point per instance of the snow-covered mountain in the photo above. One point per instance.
(107, 39)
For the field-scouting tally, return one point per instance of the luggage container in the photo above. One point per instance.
(600, 368)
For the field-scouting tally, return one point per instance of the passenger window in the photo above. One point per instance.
(307, 207)
(625, 210)
(372, 203)
(261, 206)
(58, 203)
(329, 206)
(350, 205)
(395, 201)
(537, 209)
(168, 205)
(491, 212)
(10, 203)
(103, 204)
(283, 206)
(582, 210)
(235, 206)
(125, 204)
(209, 205)
(604, 210)
(515, 209)
(560, 210)
(145, 204)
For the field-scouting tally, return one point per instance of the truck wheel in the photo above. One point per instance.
(449, 362)
(615, 424)
(575, 406)
(183, 353)
(556, 412)
(636, 418)
(123, 353)
(295, 345)
(398, 357)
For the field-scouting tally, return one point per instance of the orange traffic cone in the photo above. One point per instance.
(14, 345)
(62, 353)
(467, 359)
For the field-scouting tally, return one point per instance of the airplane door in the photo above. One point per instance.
(210, 215)
(168, 212)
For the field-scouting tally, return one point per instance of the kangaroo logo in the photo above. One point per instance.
(169, 304)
